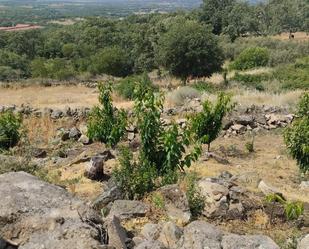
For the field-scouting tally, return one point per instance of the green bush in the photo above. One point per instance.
(292, 209)
(207, 124)
(10, 125)
(294, 76)
(9, 74)
(252, 80)
(58, 68)
(280, 52)
(164, 148)
(105, 124)
(163, 152)
(195, 199)
(125, 87)
(297, 135)
(204, 86)
(134, 178)
(251, 58)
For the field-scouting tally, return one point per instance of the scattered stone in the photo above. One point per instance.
(245, 120)
(65, 135)
(56, 114)
(234, 241)
(304, 185)
(238, 128)
(131, 136)
(39, 153)
(267, 190)
(84, 139)
(95, 168)
(74, 133)
(126, 209)
(304, 243)
(215, 198)
(83, 129)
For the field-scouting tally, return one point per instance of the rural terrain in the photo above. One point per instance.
(160, 125)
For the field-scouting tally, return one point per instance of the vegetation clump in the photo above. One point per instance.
(195, 199)
(126, 86)
(163, 152)
(105, 124)
(297, 135)
(10, 125)
(251, 58)
(292, 210)
(207, 124)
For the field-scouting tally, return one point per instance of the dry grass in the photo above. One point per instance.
(54, 97)
(180, 95)
(298, 36)
(250, 97)
(84, 187)
(41, 130)
(269, 162)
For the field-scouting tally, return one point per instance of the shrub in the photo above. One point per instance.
(297, 135)
(280, 52)
(134, 178)
(125, 87)
(195, 199)
(250, 146)
(252, 80)
(292, 209)
(10, 125)
(9, 74)
(207, 124)
(294, 76)
(163, 152)
(164, 148)
(57, 68)
(179, 96)
(250, 58)
(105, 124)
(203, 86)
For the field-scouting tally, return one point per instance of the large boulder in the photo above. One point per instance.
(36, 214)
(200, 235)
(170, 234)
(150, 244)
(111, 193)
(151, 231)
(175, 203)
(224, 198)
(233, 241)
(116, 234)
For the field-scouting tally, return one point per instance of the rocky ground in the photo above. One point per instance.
(81, 207)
